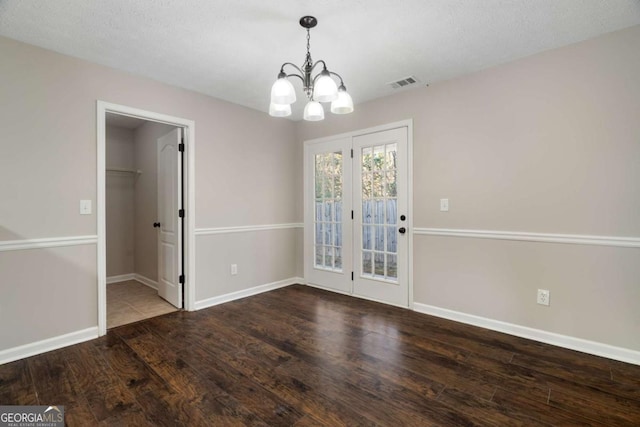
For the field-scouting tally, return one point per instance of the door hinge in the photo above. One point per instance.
(181, 147)
(181, 213)
(351, 214)
(352, 275)
(352, 153)
(181, 279)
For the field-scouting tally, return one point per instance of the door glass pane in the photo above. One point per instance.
(328, 210)
(366, 263)
(379, 244)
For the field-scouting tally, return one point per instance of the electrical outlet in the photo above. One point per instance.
(234, 269)
(444, 205)
(543, 296)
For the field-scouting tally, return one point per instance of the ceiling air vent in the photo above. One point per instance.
(407, 81)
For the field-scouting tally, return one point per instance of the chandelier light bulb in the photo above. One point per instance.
(325, 88)
(344, 103)
(313, 111)
(282, 91)
(279, 110)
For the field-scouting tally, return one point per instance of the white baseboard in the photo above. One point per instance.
(210, 302)
(578, 344)
(120, 278)
(54, 343)
(146, 281)
(133, 276)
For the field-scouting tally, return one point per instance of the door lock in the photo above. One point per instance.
(402, 230)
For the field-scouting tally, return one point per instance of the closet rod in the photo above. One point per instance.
(138, 171)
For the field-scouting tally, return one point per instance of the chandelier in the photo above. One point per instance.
(319, 88)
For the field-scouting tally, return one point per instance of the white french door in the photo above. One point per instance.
(328, 248)
(356, 208)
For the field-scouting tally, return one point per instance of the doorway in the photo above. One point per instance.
(145, 214)
(358, 214)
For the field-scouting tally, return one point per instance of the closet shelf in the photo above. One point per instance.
(123, 170)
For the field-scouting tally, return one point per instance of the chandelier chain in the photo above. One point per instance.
(308, 46)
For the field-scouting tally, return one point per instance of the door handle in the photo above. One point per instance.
(156, 225)
(402, 230)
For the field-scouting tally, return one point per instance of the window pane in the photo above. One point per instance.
(319, 252)
(391, 189)
(366, 186)
(366, 159)
(337, 232)
(392, 266)
(378, 157)
(318, 210)
(328, 256)
(392, 243)
(392, 152)
(338, 210)
(328, 233)
(378, 184)
(328, 205)
(318, 233)
(379, 264)
(392, 211)
(379, 238)
(366, 263)
(366, 237)
(338, 258)
(378, 212)
(367, 215)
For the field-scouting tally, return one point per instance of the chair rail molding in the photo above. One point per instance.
(47, 242)
(575, 239)
(247, 228)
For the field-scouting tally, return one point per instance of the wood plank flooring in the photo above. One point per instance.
(299, 356)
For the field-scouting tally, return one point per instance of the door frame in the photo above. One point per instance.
(188, 173)
(308, 215)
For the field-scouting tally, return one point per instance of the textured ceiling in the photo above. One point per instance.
(233, 50)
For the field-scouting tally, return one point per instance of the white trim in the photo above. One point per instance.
(102, 108)
(54, 343)
(210, 302)
(48, 242)
(145, 281)
(246, 228)
(578, 344)
(120, 278)
(576, 239)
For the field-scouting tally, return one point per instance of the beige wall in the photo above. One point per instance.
(146, 198)
(245, 175)
(545, 144)
(119, 200)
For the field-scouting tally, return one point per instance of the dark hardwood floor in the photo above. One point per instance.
(304, 357)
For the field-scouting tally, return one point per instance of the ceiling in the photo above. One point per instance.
(233, 50)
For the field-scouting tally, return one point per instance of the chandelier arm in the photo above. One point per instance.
(338, 76)
(296, 75)
(293, 65)
(324, 65)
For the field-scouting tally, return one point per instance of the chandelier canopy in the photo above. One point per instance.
(319, 88)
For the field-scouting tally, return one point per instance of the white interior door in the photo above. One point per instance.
(328, 247)
(356, 208)
(380, 200)
(170, 230)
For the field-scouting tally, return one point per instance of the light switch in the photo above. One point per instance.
(85, 207)
(444, 205)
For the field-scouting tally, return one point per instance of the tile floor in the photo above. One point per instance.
(131, 301)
